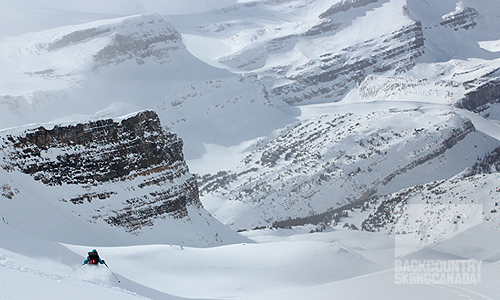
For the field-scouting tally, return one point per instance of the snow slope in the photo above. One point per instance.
(228, 78)
(283, 264)
(118, 181)
(341, 153)
(47, 270)
(109, 68)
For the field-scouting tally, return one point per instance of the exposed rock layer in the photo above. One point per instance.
(96, 155)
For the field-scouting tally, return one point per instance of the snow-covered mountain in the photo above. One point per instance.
(228, 81)
(344, 154)
(113, 67)
(376, 115)
(224, 79)
(436, 54)
(318, 51)
(108, 182)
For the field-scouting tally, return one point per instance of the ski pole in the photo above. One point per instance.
(112, 272)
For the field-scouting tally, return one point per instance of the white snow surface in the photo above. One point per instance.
(208, 87)
(283, 264)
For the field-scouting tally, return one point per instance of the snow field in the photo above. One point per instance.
(236, 270)
(25, 278)
(283, 264)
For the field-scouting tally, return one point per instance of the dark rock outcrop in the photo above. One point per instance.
(464, 19)
(132, 165)
(490, 163)
(483, 92)
(339, 72)
(94, 152)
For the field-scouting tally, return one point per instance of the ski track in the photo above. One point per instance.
(11, 263)
(451, 288)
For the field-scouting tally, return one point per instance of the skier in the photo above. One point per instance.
(94, 259)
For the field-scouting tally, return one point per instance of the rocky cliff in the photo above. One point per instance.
(341, 158)
(481, 93)
(336, 60)
(126, 172)
(336, 73)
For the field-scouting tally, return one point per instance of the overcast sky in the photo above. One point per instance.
(21, 16)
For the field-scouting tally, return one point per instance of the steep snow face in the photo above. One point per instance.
(110, 181)
(224, 111)
(431, 213)
(342, 154)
